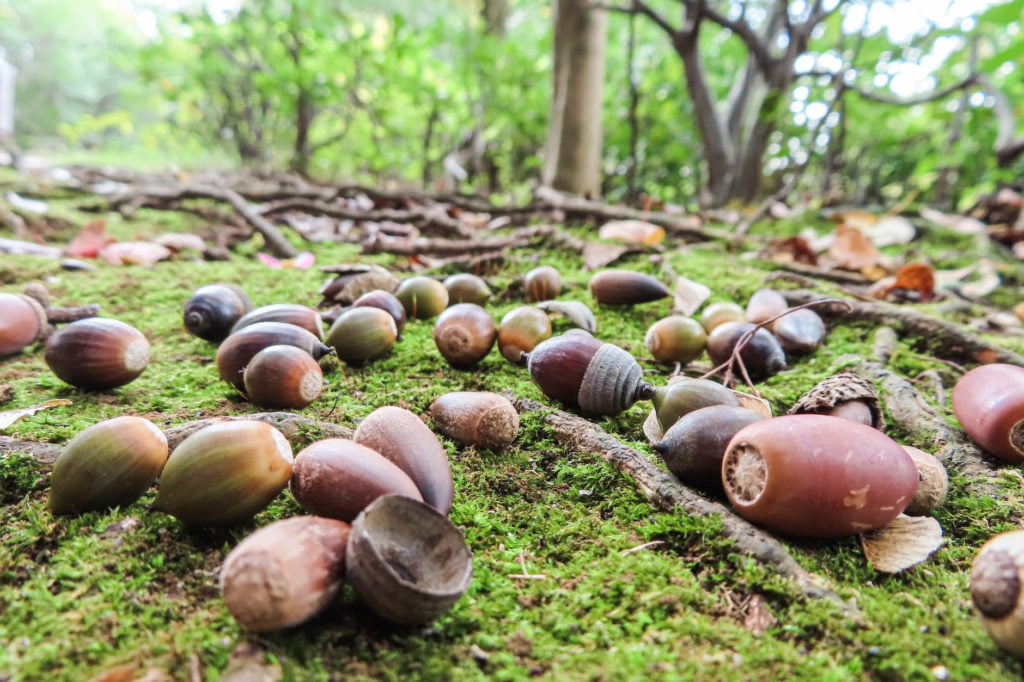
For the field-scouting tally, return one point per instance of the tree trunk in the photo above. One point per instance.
(495, 13)
(573, 162)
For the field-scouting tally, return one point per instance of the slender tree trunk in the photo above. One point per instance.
(305, 111)
(495, 13)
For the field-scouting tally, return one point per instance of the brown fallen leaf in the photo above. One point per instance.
(122, 673)
(904, 542)
(916, 277)
(8, 417)
(632, 232)
(596, 255)
(852, 250)
(793, 249)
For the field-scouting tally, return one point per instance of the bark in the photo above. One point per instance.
(495, 13)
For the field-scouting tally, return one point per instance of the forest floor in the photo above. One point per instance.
(579, 571)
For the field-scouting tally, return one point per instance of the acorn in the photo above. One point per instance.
(718, 313)
(579, 370)
(693, 447)
(406, 560)
(362, 334)
(211, 311)
(476, 418)
(800, 331)
(844, 395)
(467, 288)
(676, 338)
(289, 313)
(685, 395)
(520, 330)
(465, 334)
(97, 353)
(22, 322)
(403, 438)
(338, 477)
(932, 486)
(996, 578)
(765, 304)
(988, 401)
(283, 378)
(238, 349)
(285, 573)
(814, 476)
(762, 356)
(626, 287)
(386, 301)
(542, 283)
(224, 473)
(110, 463)
(352, 280)
(422, 297)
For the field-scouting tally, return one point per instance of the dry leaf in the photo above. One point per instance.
(8, 417)
(597, 255)
(90, 240)
(578, 313)
(890, 230)
(632, 232)
(688, 296)
(122, 673)
(852, 250)
(904, 542)
(180, 241)
(793, 249)
(146, 254)
(919, 277)
(759, 618)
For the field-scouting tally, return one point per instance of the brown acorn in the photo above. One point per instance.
(762, 356)
(676, 338)
(422, 297)
(521, 329)
(476, 418)
(386, 301)
(579, 370)
(814, 476)
(403, 438)
(22, 322)
(997, 575)
(764, 304)
(211, 311)
(406, 560)
(799, 332)
(465, 334)
(362, 334)
(285, 573)
(626, 287)
(988, 401)
(97, 353)
(338, 477)
(844, 395)
(718, 313)
(238, 349)
(467, 288)
(685, 395)
(283, 377)
(542, 283)
(289, 313)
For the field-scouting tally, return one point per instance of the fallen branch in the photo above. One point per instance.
(435, 216)
(665, 491)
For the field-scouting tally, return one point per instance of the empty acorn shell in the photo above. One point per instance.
(467, 288)
(676, 338)
(406, 560)
(762, 356)
(362, 334)
(799, 332)
(403, 438)
(22, 322)
(626, 287)
(338, 477)
(844, 395)
(283, 377)
(238, 349)
(289, 313)
(764, 304)
(579, 370)
(520, 331)
(211, 311)
(422, 297)
(476, 418)
(97, 353)
(693, 447)
(110, 463)
(386, 301)
(224, 473)
(988, 401)
(285, 573)
(542, 283)
(353, 280)
(720, 312)
(814, 476)
(685, 395)
(997, 575)
(933, 484)
(465, 334)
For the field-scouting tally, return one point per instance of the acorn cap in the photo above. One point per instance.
(836, 392)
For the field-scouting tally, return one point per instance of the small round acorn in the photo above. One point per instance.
(283, 378)
(465, 334)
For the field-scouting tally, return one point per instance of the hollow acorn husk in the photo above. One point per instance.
(212, 310)
(676, 338)
(407, 561)
(626, 287)
(464, 334)
(338, 477)
(520, 330)
(362, 334)
(285, 573)
(476, 418)
(350, 281)
(465, 287)
(22, 322)
(988, 401)
(283, 378)
(762, 356)
(932, 486)
(799, 332)
(386, 301)
(542, 283)
(290, 313)
(402, 437)
(816, 476)
(109, 463)
(422, 297)
(997, 576)
(239, 349)
(97, 353)
(224, 473)
(680, 397)
(844, 395)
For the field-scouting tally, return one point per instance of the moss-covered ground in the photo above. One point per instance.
(87, 594)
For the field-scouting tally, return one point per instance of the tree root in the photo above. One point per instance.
(666, 492)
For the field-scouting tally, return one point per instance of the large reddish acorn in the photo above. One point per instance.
(988, 402)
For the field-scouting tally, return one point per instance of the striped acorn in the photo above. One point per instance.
(289, 313)
(235, 353)
(97, 353)
(283, 378)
